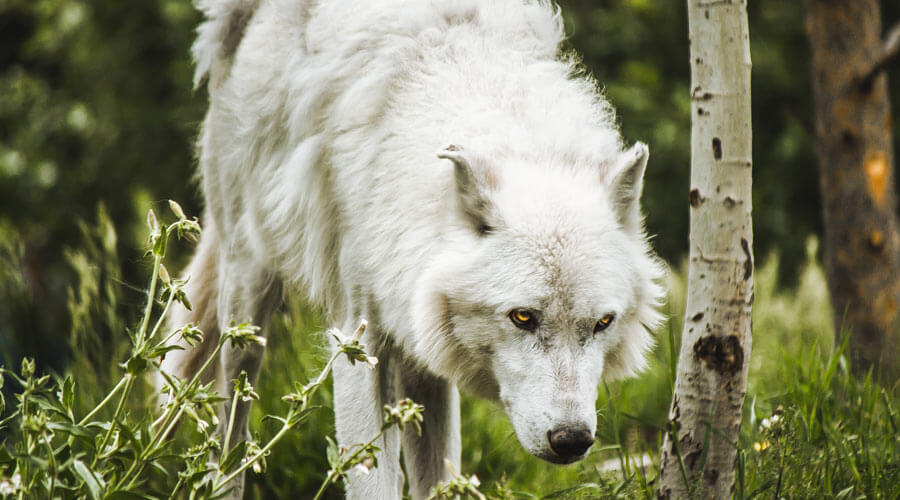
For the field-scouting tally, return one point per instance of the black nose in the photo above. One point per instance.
(568, 442)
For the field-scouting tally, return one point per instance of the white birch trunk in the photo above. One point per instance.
(698, 454)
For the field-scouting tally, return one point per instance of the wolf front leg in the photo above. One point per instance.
(360, 394)
(427, 455)
(247, 293)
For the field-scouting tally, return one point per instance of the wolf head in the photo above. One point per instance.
(545, 287)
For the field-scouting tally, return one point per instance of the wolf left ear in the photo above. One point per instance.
(627, 183)
(471, 183)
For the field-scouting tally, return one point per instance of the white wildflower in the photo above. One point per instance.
(360, 469)
(11, 485)
(770, 421)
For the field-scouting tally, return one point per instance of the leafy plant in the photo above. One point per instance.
(57, 454)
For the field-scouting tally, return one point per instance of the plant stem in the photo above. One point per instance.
(179, 397)
(171, 419)
(151, 293)
(51, 460)
(170, 336)
(249, 462)
(171, 416)
(333, 474)
(176, 488)
(129, 381)
(289, 421)
(138, 465)
(162, 317)
(139, 343)
(107, 399)
(28, 446)
(227, 443)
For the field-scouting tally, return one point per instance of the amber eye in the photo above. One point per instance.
(604, 323)
(524, 319)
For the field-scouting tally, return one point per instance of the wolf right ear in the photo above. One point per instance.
(471, 184)
(627, 184)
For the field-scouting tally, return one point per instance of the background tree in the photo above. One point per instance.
(856, 165)
(698, 452)
(96, 108)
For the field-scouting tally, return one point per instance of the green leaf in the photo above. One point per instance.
(136, 365)
(34, 459)
(332, 451)
(100, 426)
(159, 248)
(160, 468)
(70, 429)
(125, 432)
(161, 349)
(67, 394)
(172, 384)
(298, 417)
(5, 457)
(145, 437)
(159, 240)
(844, 493)
(94, 484)
(50, 405)
(280, 420)
(130, 495)
(233, 458)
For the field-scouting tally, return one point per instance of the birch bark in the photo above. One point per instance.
(698, 453)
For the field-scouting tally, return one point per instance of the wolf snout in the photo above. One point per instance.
(570, 443)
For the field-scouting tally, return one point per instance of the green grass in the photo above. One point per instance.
(837, 434)
(834, 436)
(853, 442)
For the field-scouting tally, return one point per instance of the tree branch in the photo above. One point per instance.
(889, 52)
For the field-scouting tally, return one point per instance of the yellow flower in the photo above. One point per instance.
(761, 446)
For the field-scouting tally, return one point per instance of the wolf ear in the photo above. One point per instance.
(470, 187)
(628, 181)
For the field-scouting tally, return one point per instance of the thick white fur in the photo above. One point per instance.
(320, 166)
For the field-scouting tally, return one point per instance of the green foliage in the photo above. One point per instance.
(828, 425)
(54, 454)
(95, 104)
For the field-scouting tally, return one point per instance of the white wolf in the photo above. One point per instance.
(444, 171)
